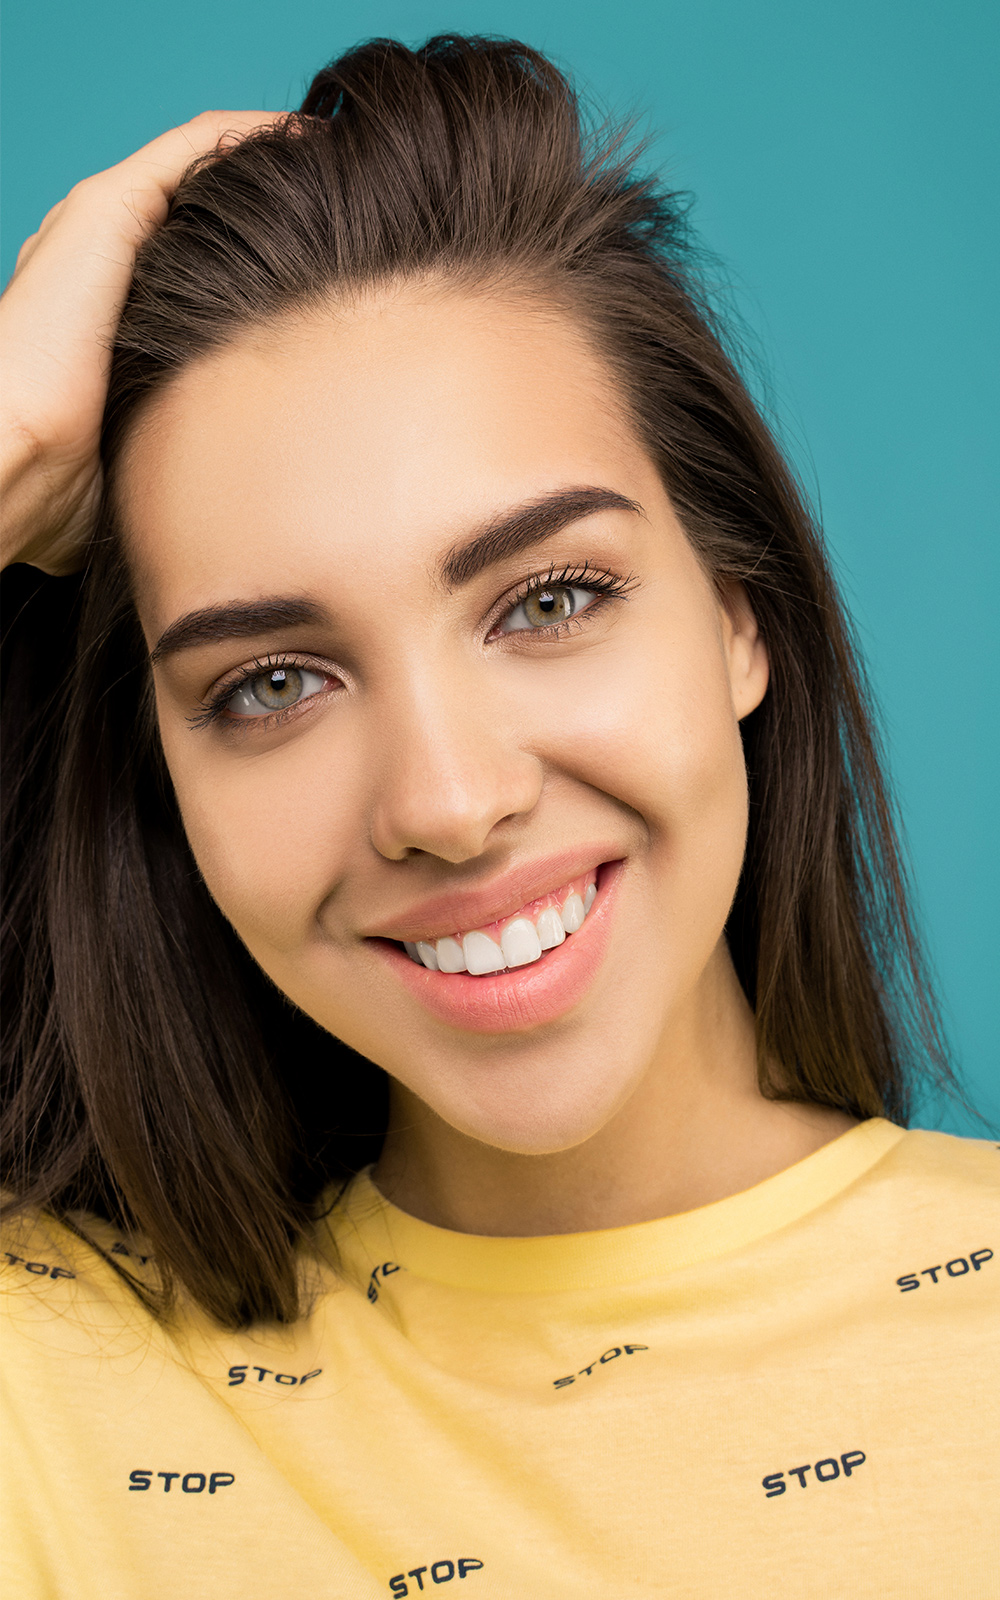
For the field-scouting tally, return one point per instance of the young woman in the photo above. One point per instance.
(462, 1003)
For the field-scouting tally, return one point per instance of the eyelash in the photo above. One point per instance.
(213, 708)
(604, 585)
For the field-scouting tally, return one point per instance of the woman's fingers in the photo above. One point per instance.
(25, 251)
(146, 181)
(143, 185)
(58, 317)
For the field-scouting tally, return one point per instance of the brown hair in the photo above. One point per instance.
(155, 1075)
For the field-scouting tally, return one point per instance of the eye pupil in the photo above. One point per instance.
(553, 604)
(278, 688)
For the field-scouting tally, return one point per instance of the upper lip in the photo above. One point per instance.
(459, 910)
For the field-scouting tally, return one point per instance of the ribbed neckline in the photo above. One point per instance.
(368, 1227)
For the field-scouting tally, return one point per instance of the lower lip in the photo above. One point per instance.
(526, 997)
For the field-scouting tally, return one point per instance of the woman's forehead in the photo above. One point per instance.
(388, 431)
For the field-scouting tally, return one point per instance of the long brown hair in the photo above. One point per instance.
(155, 1076)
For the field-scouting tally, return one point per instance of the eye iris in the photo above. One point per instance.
(544, 606)
(279, 688)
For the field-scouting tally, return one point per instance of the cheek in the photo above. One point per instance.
(273, 835)
(658, 735)
(654, 729)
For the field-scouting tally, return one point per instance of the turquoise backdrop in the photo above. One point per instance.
(843, 159)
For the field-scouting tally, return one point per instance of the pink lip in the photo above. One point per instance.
(525, 998)
(461, 910)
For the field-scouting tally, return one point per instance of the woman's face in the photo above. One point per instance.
(432, 652)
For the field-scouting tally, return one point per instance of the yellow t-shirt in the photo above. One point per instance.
(792, 1392)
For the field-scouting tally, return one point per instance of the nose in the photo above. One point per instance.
(449, 769)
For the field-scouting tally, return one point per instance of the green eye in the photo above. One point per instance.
(546, 606)
(273, 690)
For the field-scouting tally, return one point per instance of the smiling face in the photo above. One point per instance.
(434, 655)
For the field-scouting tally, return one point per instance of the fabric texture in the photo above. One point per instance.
(793, 1391)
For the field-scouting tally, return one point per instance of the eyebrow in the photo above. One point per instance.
(514, 531)
(501, 537)
(234, 619)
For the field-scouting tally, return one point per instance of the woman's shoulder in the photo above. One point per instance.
(947, 1163)
(934, 1200)
(78, 1270)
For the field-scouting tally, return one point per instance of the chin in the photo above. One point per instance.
(528, 1121)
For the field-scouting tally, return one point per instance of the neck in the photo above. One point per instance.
(695, 1130)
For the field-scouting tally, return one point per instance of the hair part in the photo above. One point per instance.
(156, 1076)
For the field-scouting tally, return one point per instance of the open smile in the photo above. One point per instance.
(517, 973)
(515, 941)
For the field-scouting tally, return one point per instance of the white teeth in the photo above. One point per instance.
(520, 943)
(483, 954)
(451, 956)
(550, 929)
(573, 914)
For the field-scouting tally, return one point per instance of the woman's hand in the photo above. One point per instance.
(58, 317)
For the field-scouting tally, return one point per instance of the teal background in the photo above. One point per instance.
(843, 158)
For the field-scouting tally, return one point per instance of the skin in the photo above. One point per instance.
(339, 456)
(64, 298)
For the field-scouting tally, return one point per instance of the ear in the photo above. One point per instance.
(746, 652)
